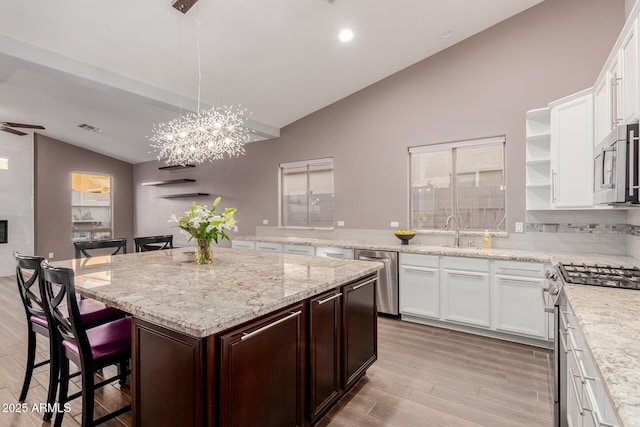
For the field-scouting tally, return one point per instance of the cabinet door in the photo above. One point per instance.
(602, 109)
(420, 291)
(325, 351)
(466, 296)
(629, 54)
(262, 372)
(519, 306)
(360, 329)
(572, 152)
(269, 247)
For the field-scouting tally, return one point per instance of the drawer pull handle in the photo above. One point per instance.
(246, 336)
(365, 283)
(420, 269)
(475, 276)
(575, 391)
(520, 269)
(330, 298)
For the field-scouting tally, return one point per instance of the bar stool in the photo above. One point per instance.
(29, 279)
(83, 248)
(89, 348)
(153, 243)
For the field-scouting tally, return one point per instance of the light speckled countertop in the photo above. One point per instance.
(610, 321)
(241, 285)
(609, 318)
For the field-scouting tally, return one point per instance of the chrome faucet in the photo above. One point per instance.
(456, 236)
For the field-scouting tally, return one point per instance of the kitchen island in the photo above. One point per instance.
(254, 339)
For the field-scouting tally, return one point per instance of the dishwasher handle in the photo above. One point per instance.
(368, 258)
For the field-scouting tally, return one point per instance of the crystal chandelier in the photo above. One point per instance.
(205, 135)
(202, 136)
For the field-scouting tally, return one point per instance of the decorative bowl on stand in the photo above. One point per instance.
(405, 235)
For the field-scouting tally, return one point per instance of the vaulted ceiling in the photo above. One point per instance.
(123, 65)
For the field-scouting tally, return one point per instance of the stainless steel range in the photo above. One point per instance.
(596, 275)
(586, 275)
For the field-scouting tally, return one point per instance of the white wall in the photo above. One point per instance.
(628, 5)
(16, 195)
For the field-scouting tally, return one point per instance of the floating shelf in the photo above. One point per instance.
(175, 167)
(169, 182)
(177, 196)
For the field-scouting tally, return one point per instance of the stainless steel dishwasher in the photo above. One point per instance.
(387, 290)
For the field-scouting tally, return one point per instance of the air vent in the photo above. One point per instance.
(90, 128)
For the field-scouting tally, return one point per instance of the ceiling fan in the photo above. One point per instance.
(8, 127)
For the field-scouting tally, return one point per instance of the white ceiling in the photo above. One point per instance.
(121, 65)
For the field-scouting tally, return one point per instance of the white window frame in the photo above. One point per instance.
(450, 146)
(111, 201)
(301, 163)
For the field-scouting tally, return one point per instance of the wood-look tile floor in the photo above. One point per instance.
(424, 376)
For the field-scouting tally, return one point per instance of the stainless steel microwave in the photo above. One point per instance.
(615, 167)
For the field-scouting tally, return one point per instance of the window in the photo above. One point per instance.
(4, 163)
(90, 207)
(460, 183)
(307, 193)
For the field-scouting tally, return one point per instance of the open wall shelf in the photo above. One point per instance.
(178, 196)
(175, 167)
(169, 182)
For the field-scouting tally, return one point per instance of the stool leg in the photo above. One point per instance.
(123, 367)
(31, 356)
(87, 396)
(54, 374)
(64, 387)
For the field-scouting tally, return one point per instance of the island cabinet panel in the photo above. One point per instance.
(360, 329)
(169, 388)
(262, 371)
(325, 351)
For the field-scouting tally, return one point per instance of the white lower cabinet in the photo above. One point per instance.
(518, 306)
(243, 244)
(420, 290)
(269, 247)
(466, 291)
(588, 403)
(299, 250)
(332, 252)
(494, 297)
(519, 298)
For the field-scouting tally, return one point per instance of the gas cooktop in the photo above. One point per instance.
(597, 275)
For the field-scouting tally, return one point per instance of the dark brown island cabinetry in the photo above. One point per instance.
(262, 368)
(360, 329)
(342, 342)
(284, 369)
(325, 351)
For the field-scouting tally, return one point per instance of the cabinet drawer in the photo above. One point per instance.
(331, 252)
(242, 244)
(520, 268)
(268, 247)
(299, 250)
(469, 264)
(432, 261)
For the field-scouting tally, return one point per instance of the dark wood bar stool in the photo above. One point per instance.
(83, 248)
(30, 285)
(153, 243)
(89, 348)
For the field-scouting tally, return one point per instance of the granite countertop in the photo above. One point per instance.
(162, 288)
(502, 254)
(610, 321)
(609, 318)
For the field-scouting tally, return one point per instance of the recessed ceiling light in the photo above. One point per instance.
(446, 34)
(346, 35)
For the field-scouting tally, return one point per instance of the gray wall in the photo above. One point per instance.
(480, 87)
(16, 190)
(54, 163)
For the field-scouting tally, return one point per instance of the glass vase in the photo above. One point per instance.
(204, 254)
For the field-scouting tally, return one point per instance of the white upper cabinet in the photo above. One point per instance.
(572, 151)
(602, 113)
(629, 82)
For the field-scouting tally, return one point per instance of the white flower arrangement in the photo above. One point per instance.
(200, 222)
